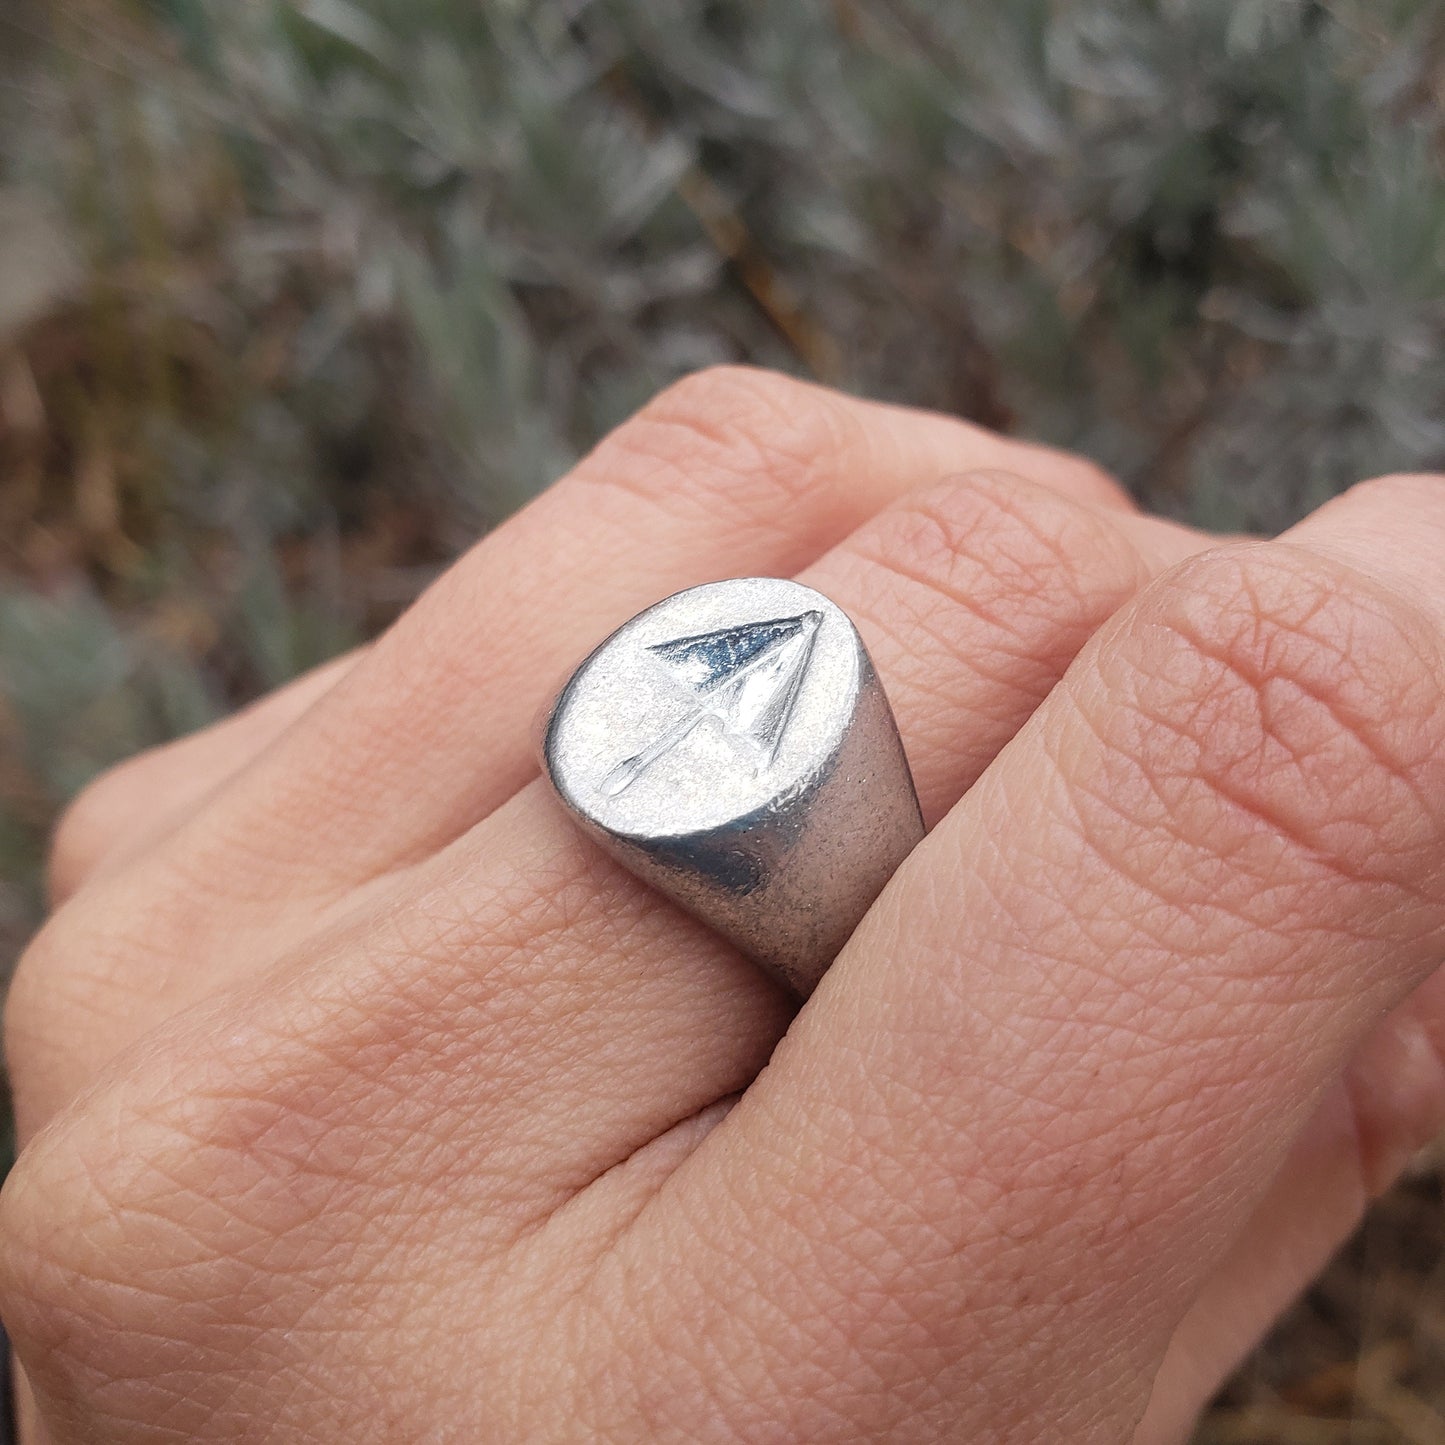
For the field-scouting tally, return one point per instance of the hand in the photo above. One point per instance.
(366, 1101)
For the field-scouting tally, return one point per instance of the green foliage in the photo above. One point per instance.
(360, 276)
(1199, 238)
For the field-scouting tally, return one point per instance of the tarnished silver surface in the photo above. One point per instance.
(733, 747)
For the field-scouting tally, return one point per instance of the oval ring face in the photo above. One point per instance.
(716, 704)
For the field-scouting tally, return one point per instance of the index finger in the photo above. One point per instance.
(1027, 1109)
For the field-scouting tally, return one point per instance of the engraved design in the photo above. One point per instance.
(748, 678)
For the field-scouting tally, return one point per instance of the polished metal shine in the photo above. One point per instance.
(733, 747)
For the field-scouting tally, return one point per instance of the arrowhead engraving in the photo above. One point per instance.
(747, 677)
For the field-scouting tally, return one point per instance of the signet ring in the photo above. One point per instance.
(733, 747)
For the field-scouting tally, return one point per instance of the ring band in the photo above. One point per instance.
(733, 747)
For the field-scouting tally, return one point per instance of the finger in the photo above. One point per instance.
(1389, 1104)
(731, 472)
(134, 804)
(1040, 1093)
(598, 1015)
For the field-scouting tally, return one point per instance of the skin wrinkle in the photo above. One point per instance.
(1063, 548)
(1415, 635)
(739, 427)
(1141, 882)
(936, 548)
(1244, 795)
(1128, 921)
(635, 1178)
(923, 544)
(131, 1337)
(1204, 898)
(1269, 690)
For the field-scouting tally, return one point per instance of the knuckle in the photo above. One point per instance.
(114, 1267)
(731, 437)
(980, 591)
(82, 836)
(102, 965)
(43, 1219)
(71, 983)
(1393, 1089)
(50, 980)
(132, 1216)
(1084, 479)
(30, 1005)
(993, 546)
(1306, 700)
(230, 1162)
(95, 820)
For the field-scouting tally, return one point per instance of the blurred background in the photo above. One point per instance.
(297, 297)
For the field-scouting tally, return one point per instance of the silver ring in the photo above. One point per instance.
(733, 747)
